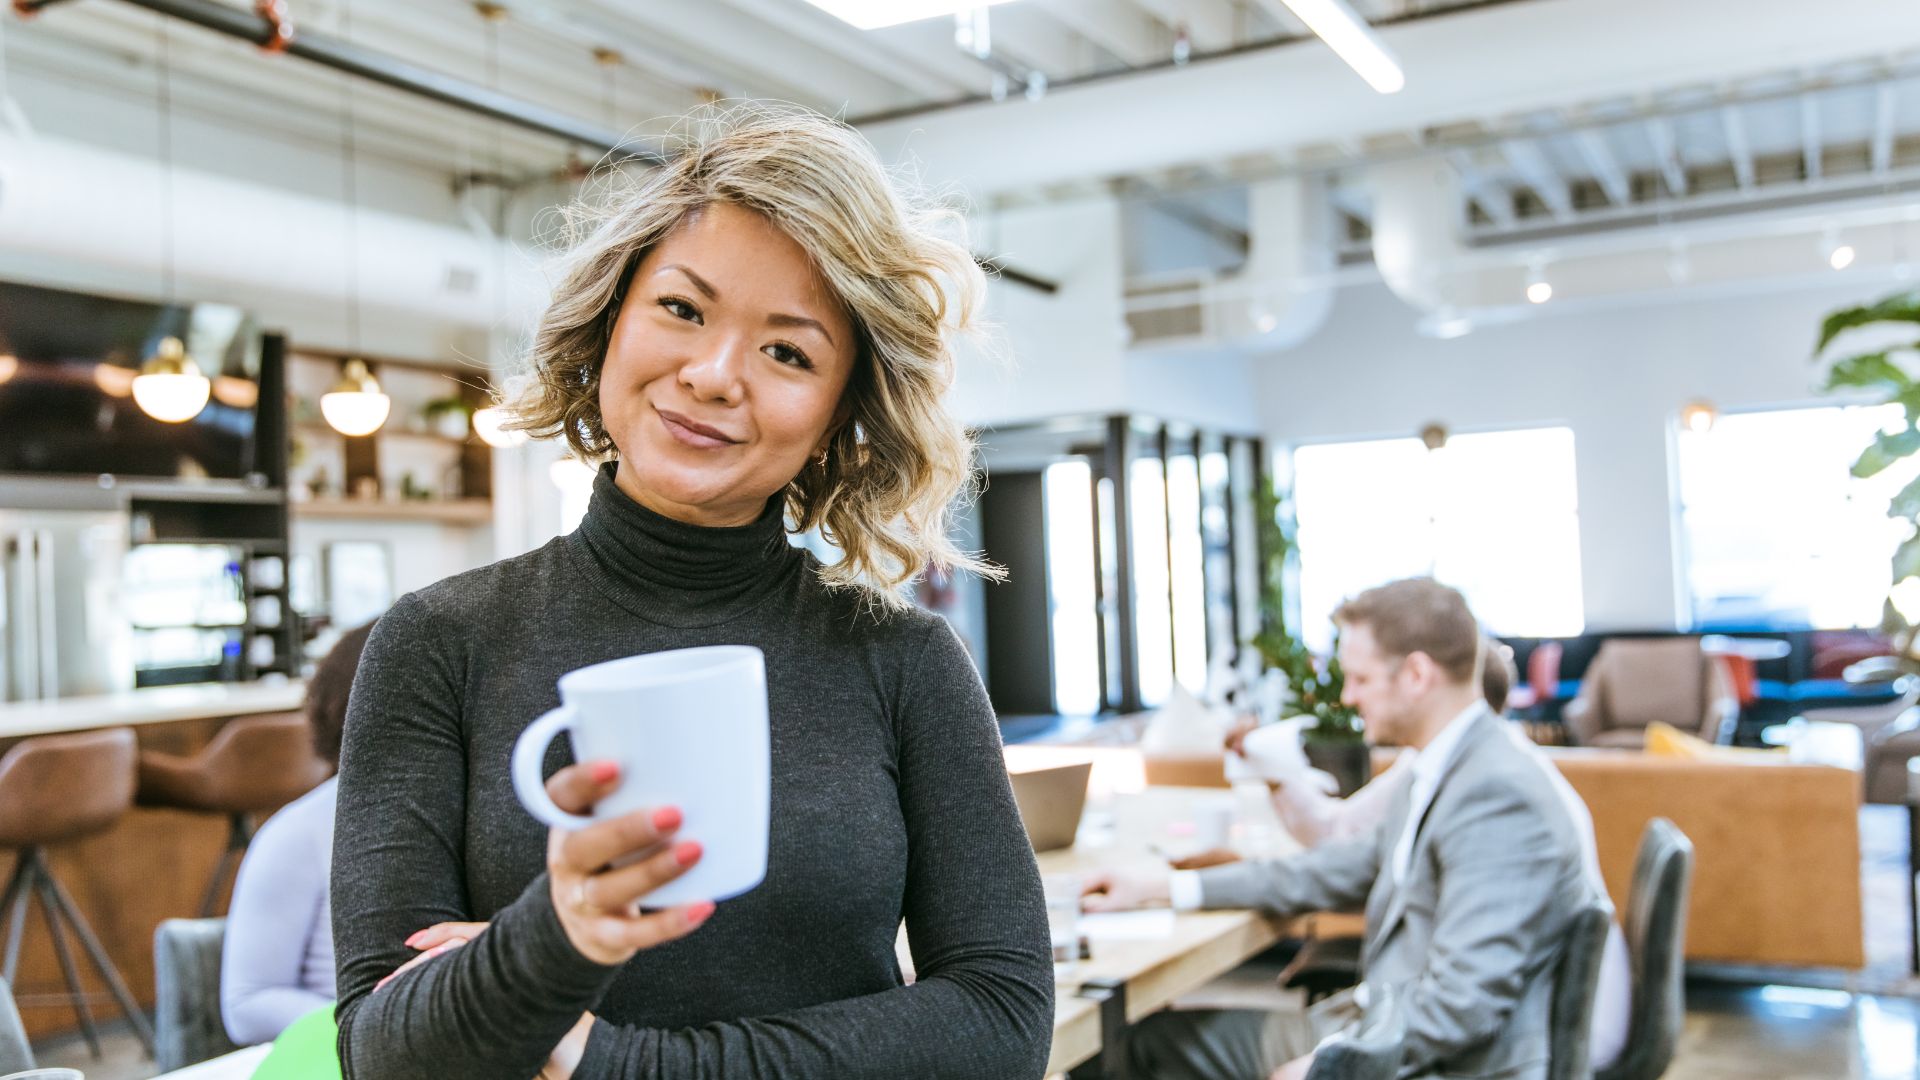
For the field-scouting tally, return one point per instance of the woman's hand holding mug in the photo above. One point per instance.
(600, 874)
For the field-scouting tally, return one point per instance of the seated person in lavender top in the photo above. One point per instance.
(277, 964)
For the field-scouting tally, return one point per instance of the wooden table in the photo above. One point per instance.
(1131, 979)
(238, 1065)
(154, 862)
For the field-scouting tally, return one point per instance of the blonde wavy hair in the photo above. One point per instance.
(896, 467)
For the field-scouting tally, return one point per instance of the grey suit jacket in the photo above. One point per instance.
(1467, 941)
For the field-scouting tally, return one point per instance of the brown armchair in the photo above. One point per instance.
(1634, 682)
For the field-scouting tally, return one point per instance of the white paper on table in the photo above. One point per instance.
(1151, 924)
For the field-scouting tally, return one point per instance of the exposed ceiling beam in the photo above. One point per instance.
(1210, 23)
(1667, 150)
(1606, 168)
(1882, 152)
(1220, 232)
(1352, 201)
(1283, 16)
(1539, 174)
(1810, 145)
(1734, 125)
(1124, 31)
(806, 23)
(1493, 198)
(1033, 40)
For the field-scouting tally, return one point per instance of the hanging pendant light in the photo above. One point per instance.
(170, 386)
(355, 405)
(490, 424)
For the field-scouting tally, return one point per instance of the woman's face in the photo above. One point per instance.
(726, 370)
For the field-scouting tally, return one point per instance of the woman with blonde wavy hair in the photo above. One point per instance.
(753, 341)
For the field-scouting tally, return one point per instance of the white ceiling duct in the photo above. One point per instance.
(83, 205)
(1504, 58)
(1278, 298)
(1418, 253)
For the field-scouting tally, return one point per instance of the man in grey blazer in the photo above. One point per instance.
(1469, 883)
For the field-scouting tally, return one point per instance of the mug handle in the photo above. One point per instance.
(529, 755)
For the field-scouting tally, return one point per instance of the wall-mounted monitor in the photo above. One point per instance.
(67, 365)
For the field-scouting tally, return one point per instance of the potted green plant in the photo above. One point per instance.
(1335, 742)
(1884, 372)
(449, 416)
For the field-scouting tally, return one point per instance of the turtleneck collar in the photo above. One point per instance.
(683, 575)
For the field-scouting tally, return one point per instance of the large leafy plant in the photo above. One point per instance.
(1884, 372)
(1315, 684)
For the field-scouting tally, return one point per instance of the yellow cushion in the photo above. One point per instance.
(1665, 740)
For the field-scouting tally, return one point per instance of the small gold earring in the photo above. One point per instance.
(821, 460)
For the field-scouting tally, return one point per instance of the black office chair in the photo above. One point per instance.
(186, 978)
(1576, 983)
(1656, 939)
(1323, 966)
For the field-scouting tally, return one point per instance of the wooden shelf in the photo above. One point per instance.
(323, 431)
(444, 511)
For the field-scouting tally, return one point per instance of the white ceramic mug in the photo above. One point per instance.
(688, 728)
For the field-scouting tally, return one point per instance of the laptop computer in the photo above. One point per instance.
(1050, 802)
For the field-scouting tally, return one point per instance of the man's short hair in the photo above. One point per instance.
(1496, 682)
(1419, 615)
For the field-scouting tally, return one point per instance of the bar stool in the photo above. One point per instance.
(54, 788)
(254, 764)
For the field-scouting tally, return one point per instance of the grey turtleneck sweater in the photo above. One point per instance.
(890, 803)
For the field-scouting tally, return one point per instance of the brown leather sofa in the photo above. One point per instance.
(1777, 846)
(1776, 849)
(1636, 681)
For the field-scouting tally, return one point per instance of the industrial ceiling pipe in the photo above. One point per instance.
(270, 32)
(268, 27)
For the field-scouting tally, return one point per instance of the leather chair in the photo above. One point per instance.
(1324, 965)
(1656, 937)
(15, 1054)
(1634, 682)
(254, 765)
(1371, 1051)
(1576, 983)
(55, 788)
(188, 1027)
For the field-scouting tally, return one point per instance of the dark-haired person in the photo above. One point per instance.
(277, 963)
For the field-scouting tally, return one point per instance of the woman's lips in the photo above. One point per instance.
(688, 433)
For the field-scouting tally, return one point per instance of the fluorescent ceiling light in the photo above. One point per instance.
(873, 14)
(1351, 39)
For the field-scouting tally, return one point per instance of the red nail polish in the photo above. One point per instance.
(666, 819)
(687, 854)
(603, 771)
(698, 912)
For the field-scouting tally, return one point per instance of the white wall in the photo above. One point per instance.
(1617, 377)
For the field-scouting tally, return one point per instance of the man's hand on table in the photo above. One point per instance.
(1123, 890)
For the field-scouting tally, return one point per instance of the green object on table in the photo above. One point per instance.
(307, 1050)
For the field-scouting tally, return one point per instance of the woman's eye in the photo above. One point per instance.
(790, 356)
(680, 309)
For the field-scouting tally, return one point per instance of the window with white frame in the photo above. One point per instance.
(1775, 529)
(1493, 514)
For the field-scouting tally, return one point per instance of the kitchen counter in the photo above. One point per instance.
(155, 705)
(154, 862)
